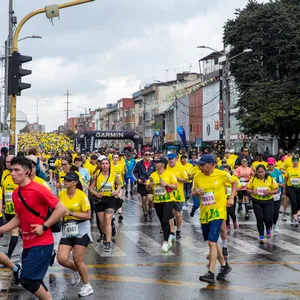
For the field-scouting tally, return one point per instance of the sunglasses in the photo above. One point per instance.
(245, 151)
(147, 154)
(270, 164)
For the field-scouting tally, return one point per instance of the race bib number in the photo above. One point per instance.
(70, 229)
(160, 190)
(8, 196)
(277, 196)
(295, 181)
(229, 190)
(208, 199)
(243, 182)
(107, 188)
(261, 189)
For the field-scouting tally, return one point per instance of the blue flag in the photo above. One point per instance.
(181, 133)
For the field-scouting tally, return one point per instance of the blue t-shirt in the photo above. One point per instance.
(130, 163)
(277, 175)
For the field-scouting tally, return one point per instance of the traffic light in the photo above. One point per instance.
(15, 73)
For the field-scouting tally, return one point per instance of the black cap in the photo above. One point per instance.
(162, 160)
(71, 176)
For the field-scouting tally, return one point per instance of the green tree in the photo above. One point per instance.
(71, 134)
(268, 77)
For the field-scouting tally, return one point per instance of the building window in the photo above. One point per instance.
(191, 127)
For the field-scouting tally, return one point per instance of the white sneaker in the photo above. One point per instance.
(165, 247)
(75, 279)
(86, 290)
(275, 228)
(185, 207)
(170, 240)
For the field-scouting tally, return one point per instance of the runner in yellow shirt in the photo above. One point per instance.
(210, 184)
(187, 185)
(163, 183)
(182, 177)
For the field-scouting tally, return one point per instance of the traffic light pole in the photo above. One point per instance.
(13, 102)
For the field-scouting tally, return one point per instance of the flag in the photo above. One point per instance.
(182, 135)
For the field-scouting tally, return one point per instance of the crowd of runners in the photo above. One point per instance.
(44, 193)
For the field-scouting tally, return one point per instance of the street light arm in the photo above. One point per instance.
(30, 37)
(206, 47)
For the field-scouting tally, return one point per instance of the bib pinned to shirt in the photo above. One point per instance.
(70, 229)
(208, 199)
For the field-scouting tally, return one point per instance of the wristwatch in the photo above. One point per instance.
(45, 228)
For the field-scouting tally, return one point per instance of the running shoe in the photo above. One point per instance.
(126, 194)
(145, 217)
(120, 219)
(225, 252)
(150, 216)
(131, 193)
(247, 217)
(107, 247)
(228, 228)
(269, 233)
(283, 217)
(170, 240)
(208, 277)
(224, 271)
(178, 235)
(75, 279)
(192, 213)
(275, 228)
(295, 223)
(53, 258)
(17, 274)
(165, 247)
(261, 239)
(86, 290)
(236, 225)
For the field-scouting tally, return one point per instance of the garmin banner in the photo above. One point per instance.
(182, 135)
(86, 140)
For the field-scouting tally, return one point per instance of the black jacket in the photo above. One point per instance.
(140, 172)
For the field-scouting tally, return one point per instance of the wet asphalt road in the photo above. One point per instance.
(136, 269)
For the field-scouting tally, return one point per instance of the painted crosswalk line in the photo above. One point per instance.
(146, 243)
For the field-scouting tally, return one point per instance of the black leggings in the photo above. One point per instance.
(263, 210)
(164, 213)
(231, 213)
(294, 195)
(277, 205)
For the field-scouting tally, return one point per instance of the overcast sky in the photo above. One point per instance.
(103, 50)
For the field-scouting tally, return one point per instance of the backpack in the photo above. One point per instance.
(39, 172)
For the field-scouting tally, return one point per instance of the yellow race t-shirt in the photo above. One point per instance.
(179, 172)
(8, 186)
(109, 186)
(229, 186)
(213, 202)
(261, 185)
(287, 163)
(119, 169)
(257, 163)
(78, 203)
(293, 176)
(188, 167)
(160, 193)
(41, 181)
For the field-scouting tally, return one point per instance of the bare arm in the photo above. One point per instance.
(14, 223)
(86, 215)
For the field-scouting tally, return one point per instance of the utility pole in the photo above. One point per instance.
(226, 99)
(12, 21)
(175, 113)
(67, 110)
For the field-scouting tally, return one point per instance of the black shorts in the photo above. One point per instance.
(141, 189)
(83, 241)
(105, 203)
(9, 217)
(242, 194)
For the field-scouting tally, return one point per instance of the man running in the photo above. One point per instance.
(142, 170)
(36, 235)
(210, 184)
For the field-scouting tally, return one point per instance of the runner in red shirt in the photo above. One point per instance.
(37, 238)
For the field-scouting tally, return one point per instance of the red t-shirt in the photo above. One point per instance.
(147, 164)
(40, 199)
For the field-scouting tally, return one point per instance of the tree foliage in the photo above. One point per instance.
(268, 77)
